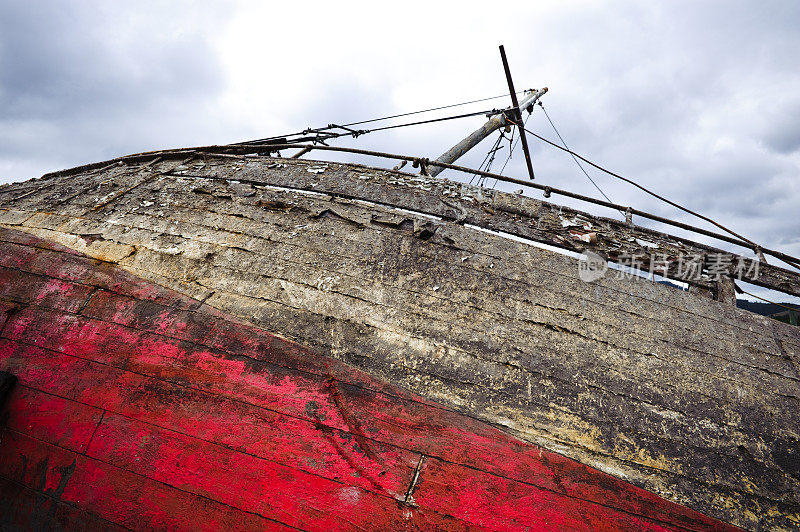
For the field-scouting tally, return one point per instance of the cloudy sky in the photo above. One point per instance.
(697, 100)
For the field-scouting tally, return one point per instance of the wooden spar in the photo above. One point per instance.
(517, 113)
(301, 153)
(493, 124)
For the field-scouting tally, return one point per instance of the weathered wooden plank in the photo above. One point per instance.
(501, 504)
(500, 289)
(51, 418)
(585, 328)
(469, 449)
(332, 248)
(618, 233)
(453, 438)
(40, 290)
(105, 305)
(327, 449)
(668, 431)
(66, 192)
(109, 354)
(215, 332)
(115, 495)
(119, 442)
(323, 235)
(418, 294)
(252, 484)
(23, 508)
(240, 479)
(547, 425)
(44, 258)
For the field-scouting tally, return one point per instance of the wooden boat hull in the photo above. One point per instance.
(142, 408)
(254, 342)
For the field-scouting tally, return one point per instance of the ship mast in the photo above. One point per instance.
(511, 115)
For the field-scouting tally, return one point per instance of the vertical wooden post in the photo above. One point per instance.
(726, 290)
(517, 113)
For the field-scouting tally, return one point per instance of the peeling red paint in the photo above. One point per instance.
(63, 422)
(139, 407)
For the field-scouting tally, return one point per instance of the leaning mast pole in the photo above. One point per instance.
(493, 124)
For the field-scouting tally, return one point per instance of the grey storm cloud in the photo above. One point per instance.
(82, 79)
(781, 130)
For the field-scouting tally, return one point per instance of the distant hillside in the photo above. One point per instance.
(765, 309)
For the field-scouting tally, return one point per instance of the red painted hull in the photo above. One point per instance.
(139, 408)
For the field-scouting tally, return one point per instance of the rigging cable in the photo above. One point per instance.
(431, 109)
(320, 135)
(489, 157)
(755, 246)
(432, 120)
(497, 147)
(345, 126)
(574, 158)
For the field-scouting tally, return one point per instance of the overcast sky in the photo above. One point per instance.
(697, 100)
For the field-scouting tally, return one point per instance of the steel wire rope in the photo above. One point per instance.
(321, 135)
(755, 247)
(574, 158)
(489, 154)
(491, 157)
(331, 126)
(429, 110)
